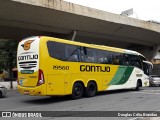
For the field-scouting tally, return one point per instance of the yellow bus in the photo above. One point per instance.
(52, 66)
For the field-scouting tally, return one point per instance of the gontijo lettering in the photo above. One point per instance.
(91, 68)
(28, 57)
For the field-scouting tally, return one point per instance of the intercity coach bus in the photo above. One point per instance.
(52, 66)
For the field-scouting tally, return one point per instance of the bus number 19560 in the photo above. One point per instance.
(57, 67)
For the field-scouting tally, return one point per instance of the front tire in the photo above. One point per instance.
(150, 85)
(91, 89)
(77, 91)
(1, 94)
(137, 86)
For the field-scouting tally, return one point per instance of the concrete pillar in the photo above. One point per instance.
(71, 36)
(74, 35)
(148, 52)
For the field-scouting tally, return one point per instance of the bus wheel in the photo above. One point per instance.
(0, 94)
(150, 84)
(91, 89)
(137, 86)
(77, 90)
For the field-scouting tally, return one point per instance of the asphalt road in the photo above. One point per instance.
(147, 99)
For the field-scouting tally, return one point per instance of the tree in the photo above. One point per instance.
(8, 54)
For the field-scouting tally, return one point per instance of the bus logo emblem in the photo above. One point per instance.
(27, 44)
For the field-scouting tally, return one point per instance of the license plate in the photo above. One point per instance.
(27, 71)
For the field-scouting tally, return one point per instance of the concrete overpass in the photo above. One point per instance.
(23, 18)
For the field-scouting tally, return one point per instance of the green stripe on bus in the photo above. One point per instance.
(126, 75)
(122, 75)
(118, 76)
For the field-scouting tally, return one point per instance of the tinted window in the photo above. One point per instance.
(63, 51)
(72, 53)
(67, 52)
(104, 57)
(117, 58)
(135, 61)
(88, 55)
(57, 50)
(126, 60)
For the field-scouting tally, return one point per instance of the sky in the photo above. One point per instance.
(142, 9)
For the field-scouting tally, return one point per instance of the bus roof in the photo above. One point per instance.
(102, 47)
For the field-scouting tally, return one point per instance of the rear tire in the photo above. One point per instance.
(91, 89)
(77, 90)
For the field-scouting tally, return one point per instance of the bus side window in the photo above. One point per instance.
(88, 55)
(108, 59)
(56, 50)
(116, 58)
(135, 61)
(100, 56)
(126, 60)
(104, 57)
(72, 53)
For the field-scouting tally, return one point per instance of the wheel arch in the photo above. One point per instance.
(140, 82)
(93, 82)
(1, 94)
(78, 81)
